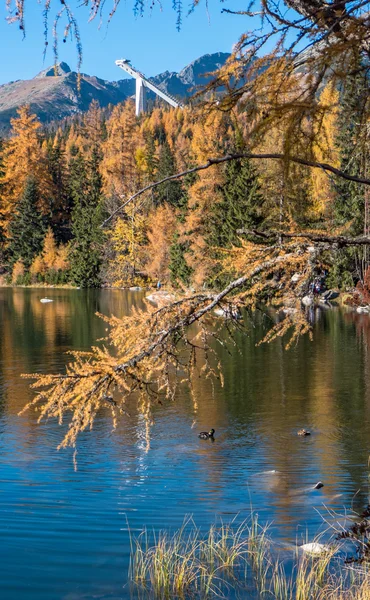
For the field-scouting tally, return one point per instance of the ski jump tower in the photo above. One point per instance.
(142, 84)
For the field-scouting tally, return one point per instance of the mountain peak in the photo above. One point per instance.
(55, 94)
(208, 63)
(60, 69)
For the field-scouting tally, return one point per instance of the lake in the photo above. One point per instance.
(65, 533)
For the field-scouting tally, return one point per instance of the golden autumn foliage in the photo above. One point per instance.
(325, 150)
(75, 141)
(37, 268)
(23, 154)
(61, 262)
(49, 252)
(92, 127)
(52, 258)
(209, 139)
(161, 228)
(127, 238)
(18, 271)
(119, 165)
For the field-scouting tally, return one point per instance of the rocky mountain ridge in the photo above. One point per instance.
(54, 93)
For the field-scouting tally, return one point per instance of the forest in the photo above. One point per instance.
(60, 185)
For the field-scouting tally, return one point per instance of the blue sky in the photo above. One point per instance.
(151, 42)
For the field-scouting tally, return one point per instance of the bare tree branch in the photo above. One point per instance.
(338, 240)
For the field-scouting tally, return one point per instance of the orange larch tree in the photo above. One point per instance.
(24, 154)
(161, 229)
(119, 168)
(210, 138)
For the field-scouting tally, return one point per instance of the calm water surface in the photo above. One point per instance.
(64, 534)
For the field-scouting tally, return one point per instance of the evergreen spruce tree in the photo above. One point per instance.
(349, 203)
(171, 191)
(77, 177)
(151, 160)
(178, 267)
(160, 133)
(86, 191)
(61, 201)
(240, 208)
(27, 229)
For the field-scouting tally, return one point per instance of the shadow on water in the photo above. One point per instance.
(65, 533)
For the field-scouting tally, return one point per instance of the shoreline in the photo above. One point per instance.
(40, 286)
(340, 301)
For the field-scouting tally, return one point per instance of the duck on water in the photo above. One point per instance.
(303, 432)
(207, 435)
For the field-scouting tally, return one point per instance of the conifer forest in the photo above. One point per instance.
(60, 185)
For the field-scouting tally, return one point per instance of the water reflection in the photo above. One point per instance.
(65, 533)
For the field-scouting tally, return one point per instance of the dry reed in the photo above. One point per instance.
(234, 558)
